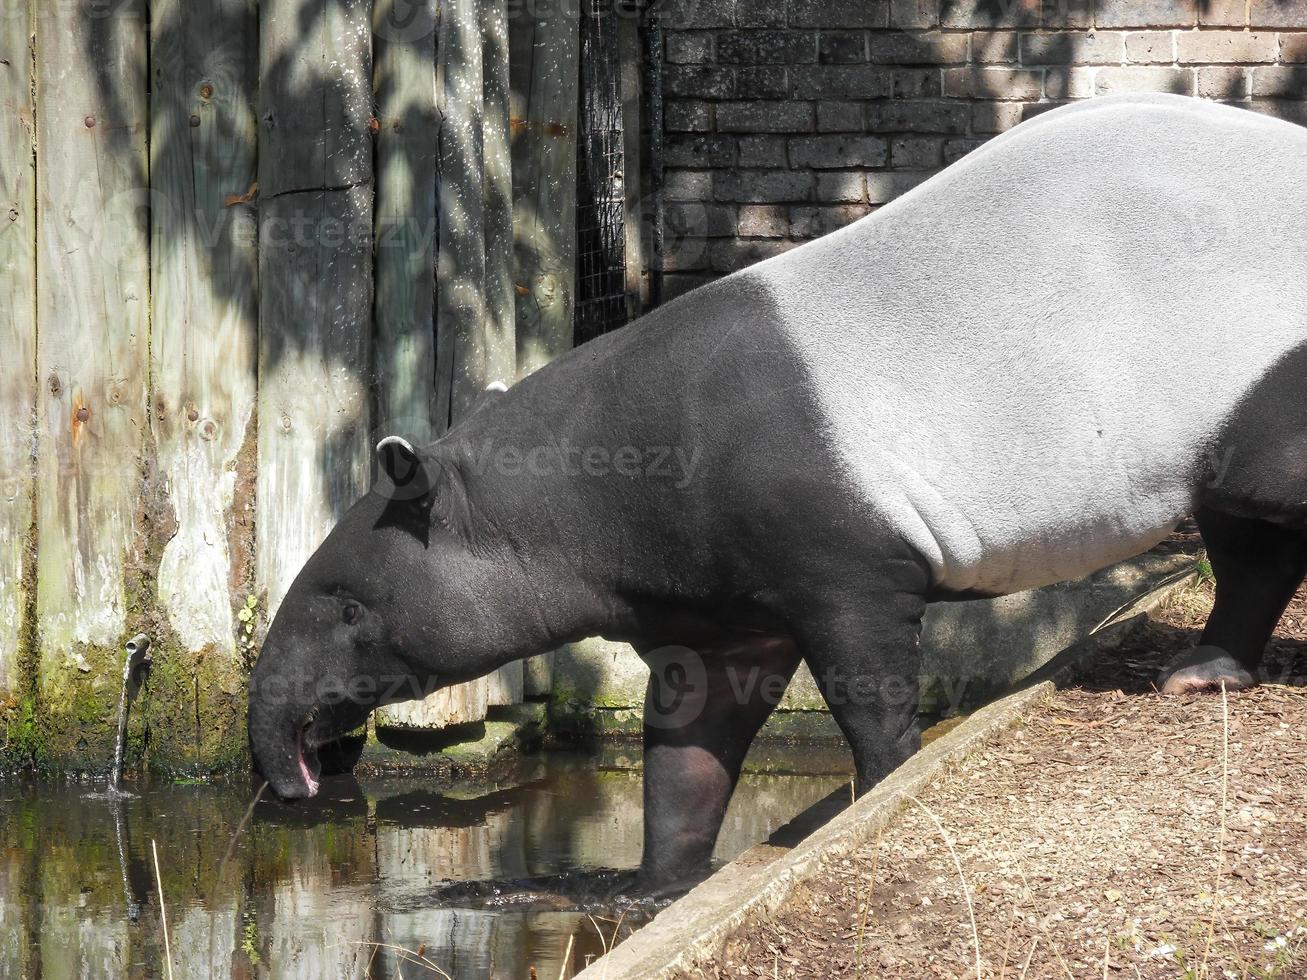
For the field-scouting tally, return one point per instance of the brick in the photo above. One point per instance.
(762, 83)
(1295, 111)
(991, 13)
(735, 255)
(883, 188)
(955, 150)
(1293, 48)
(839, 13)
(1144, 79)
(842, 48)
(839, 117)
(993, 83)
(815, 222)
(1227, 83)
(688, 252)
(763, 151)
(1146, 13)
(698, 82)
(761, 13)
(945, 118)
(1065, 14)
(688, 117)
(764, 221)
(1278, 13)
(1029, 110)
(994, 117)
(1232, 47)
(698, 151)
(931, 48)
(693, 218)
(690, 48)
(841, 82)
(838, 152)
(995, 47)
(915, 152)
(915, 83)
(1223, 13)
(766, 48)
(1069, 83)
(680, 15)
(842, 188)
(1281, 82)
(764, 117)
(764, 186)
(1150, 47)
(1073, 48)
(913, 14)
(688, 185)
(678, 285)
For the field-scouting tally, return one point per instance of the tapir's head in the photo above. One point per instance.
(387, 609)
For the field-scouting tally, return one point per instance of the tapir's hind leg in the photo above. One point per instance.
(1258, 568)
(702, 711)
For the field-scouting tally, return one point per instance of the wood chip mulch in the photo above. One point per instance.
(1093, 839)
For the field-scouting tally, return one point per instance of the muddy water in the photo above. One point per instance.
(482, 880)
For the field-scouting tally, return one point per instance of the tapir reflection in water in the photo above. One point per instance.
(1033, 365)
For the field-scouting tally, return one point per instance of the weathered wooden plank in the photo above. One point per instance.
(545, 45)
(204, 346)
(92, 307)
(545, 41)
(17, 338)
(505, 684)
(315, 274)
(405, 81)
(461, 359)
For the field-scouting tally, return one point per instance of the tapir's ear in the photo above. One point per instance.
(408, 475)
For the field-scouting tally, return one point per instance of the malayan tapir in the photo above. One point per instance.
(1034, 364)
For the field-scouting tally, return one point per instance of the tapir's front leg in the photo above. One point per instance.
(702, 711)
(865, 655)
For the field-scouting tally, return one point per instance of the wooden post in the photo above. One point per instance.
(407, 142)
(463, 350)
(505, 685)
(461, 263)
(93, 320)
(17, 340)
(315, 273)
(545, 40)
(204, 350)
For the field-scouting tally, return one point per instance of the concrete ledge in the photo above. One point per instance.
(473, 749)
(692, 932)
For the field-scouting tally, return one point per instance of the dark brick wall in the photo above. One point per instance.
(786, 119)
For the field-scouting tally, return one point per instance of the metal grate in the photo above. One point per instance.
(601, 297)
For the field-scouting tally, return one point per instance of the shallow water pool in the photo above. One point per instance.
(380, 877)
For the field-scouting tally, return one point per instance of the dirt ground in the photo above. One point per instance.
(1093, 840)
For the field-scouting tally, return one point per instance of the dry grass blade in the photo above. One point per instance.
(1220, 838)
(866, 906)
(1025, 967)
(966, 889)
(163, 911)
(240, 828)
(405, 955)
(567, 957)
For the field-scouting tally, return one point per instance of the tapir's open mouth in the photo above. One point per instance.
(310, 765)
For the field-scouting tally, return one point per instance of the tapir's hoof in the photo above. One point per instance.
(1203, 670)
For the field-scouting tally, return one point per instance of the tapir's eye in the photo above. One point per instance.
(350, 613)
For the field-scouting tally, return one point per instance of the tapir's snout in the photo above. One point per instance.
(278, 725)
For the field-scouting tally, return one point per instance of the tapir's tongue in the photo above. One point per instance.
(309, 781)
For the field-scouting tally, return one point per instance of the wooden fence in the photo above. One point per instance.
(240, 242)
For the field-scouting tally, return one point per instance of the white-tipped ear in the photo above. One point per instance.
(498, 386)
(401, 463)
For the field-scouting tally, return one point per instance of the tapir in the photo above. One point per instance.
(1036, 363)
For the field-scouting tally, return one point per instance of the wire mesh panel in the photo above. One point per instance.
(602, 302)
